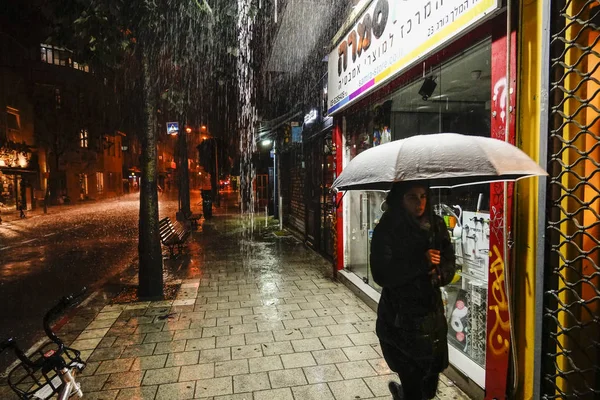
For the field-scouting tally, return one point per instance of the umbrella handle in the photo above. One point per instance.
(337, 205)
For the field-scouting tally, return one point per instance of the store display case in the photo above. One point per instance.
(466, 296)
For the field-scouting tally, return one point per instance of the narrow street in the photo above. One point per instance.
(45, 257)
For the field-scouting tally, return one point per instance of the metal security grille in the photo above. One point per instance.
(571, 348)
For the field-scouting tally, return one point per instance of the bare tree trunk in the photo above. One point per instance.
(150, 255)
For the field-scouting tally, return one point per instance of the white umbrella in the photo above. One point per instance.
(442, 159)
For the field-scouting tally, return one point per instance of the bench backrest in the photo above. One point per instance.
(165, 227)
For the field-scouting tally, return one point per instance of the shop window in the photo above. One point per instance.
(452, 97)
(83, 138)
(99, 182)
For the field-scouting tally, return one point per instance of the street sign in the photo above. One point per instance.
(172, 128)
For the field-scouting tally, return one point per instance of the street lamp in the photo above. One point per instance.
(276, 204)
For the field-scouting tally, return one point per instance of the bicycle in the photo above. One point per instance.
(52, 368)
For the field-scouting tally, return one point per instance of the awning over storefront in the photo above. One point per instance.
(320, 128)
(14, 171)
(265, 128)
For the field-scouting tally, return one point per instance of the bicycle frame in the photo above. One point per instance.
(52, 371)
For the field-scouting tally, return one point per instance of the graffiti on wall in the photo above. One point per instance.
(499, 334)
(499, 98)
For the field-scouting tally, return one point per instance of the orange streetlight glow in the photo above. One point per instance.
(188, 129)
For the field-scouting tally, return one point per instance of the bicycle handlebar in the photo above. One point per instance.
(57, 309)
(63, 303)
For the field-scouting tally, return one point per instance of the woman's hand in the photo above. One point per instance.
(433, 256)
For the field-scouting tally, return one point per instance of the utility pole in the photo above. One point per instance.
(183, 174)
(275, 183)
(217, 197)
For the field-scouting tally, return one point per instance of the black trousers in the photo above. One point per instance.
(417, 384)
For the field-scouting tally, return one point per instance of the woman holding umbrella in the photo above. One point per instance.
(411, 257)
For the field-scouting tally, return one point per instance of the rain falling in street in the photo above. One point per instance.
(45, 257)
(298, 199)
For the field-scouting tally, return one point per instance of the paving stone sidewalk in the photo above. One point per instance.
(256, 317)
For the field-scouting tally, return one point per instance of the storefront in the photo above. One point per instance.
(291, 170)
(18, 178)
(432, 67)
(320, 164)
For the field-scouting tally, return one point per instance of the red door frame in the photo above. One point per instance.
(498, 322)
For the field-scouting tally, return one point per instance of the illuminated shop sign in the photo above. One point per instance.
(310, 117)
(391, 36)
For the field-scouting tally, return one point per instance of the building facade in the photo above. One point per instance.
(522, 72)
(60, 130)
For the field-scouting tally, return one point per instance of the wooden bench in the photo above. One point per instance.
(172, 234)
(193, 218)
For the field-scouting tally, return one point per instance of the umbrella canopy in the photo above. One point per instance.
(443, 159)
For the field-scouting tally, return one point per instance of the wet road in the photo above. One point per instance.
(48, 256)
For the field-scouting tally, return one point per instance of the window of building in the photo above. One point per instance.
(13, 120)
(83, 138)
(59, 56)
(83, 186)
(99, 182)
(109, 145)
(46, 53)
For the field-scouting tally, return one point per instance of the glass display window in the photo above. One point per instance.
(454, 96)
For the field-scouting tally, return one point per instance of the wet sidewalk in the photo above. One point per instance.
(255, 317)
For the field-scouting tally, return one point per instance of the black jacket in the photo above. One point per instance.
(410, 315)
